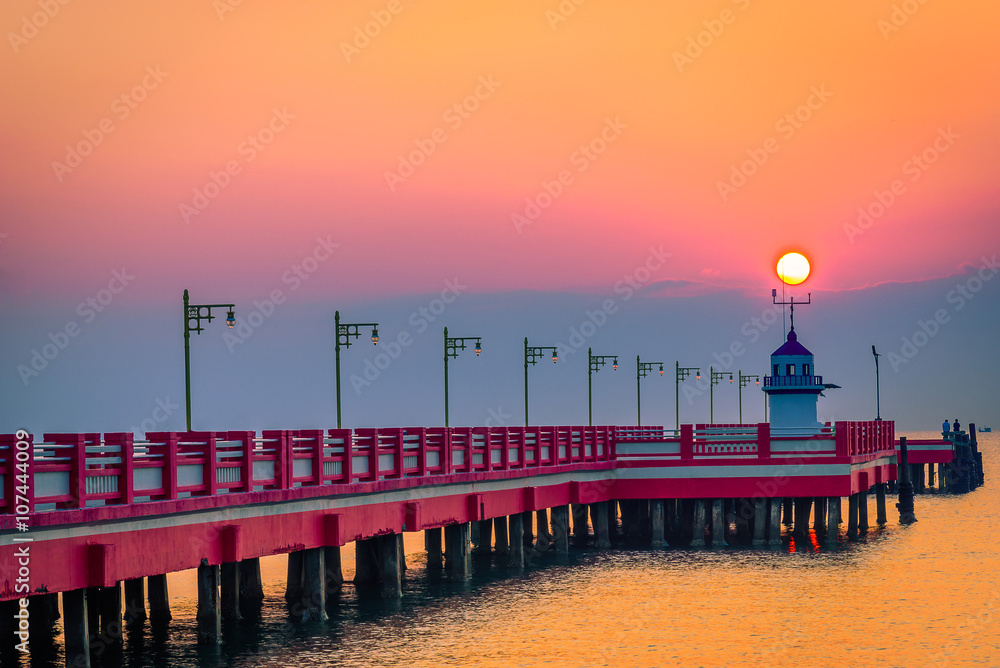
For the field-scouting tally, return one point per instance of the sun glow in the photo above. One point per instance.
(793, 268)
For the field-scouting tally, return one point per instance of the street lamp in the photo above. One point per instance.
(531, 355)
(195, 313)
(716, 377)
(682, 372)
(596, 362)
(344, 333)
(452, 345)
(642, 369)
(744, 381)
(878, 393)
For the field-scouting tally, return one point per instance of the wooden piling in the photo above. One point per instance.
(229, 576)
(314, 584)
(251, 584)
(718, 528)
(880, 517)
(698, 524)
(209, 611)
(159, 599)
(432, 541)
(774, 530)
(852, 517)
(75, 628)
(502, 534)
(760, 520)
(457, 550)
(515, 535)
(833, 520)
(560, 529)
(334, 570)
(599, 518)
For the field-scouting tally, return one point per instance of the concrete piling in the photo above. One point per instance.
(788, 514)
(880, 516)
(543, 541)
(159, 599)
(293, 581)
(863, 511)
(599, 518)
(313, 584)
(803, 508)
(209, 610)
(365, 560)
(111, 615)
(852, 517)
(485, 543)
(432, 542)
(76, 629)
(657, 521)
(698, 524)
(229, 576)
(905, 504)
(718, 526)
(527, 520)
(819, 514)
(515, 528)
(390, 573)
(581, 530)
(457, 550)
(760, 521)
(560, 529)
(334, 571)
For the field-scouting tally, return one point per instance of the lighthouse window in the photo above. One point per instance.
(776, 369)
(791, 370)
(805, 369)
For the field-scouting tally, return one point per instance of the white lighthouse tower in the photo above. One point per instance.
(793, 388)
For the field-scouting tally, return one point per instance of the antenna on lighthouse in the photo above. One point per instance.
(791, 303)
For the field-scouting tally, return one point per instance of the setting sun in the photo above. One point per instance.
(793, 268)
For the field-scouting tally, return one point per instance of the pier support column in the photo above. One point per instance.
(111, 615)
(293, 581)
(833, 520)
(774, 530)
(930, 476)
(819, 514)
(803, 507)
(313, 585)
(485, 543)
(698, 524)
(75, 628)
(905, 504)
(502, 534)
(599, 518)
(515, 526)
(527, 520)
(457, 550)
(366, 561)
(880, 516)
(657, 523)
(209, 610)
(334, 571)
(390, 573)
(544, 538)
(402, 552)
(760, 520)
(788, 515)
(251, 584)
(863, 511)
(432, 541)
(852, 517)
(581, 528)
(229, 575)
(560, 529)
(159, 599)
(718, 526)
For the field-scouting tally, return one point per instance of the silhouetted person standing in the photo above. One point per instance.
(956, 426)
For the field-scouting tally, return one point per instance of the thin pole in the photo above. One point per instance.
(336, 347)
(526, 381)
(765, 407)
(638, 394)
(187, 363)
(590, 387)
(711, 395)
(446, 377)
(677, 394)
(740, 376)
(878, 391)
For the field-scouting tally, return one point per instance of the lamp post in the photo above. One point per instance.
(878, 399)
(452, 345)
(195, 313)
(344, 333)
(681, 373)
(716, 377)
(596, 362)
(531, 356)
(642, 369)
(744, 381)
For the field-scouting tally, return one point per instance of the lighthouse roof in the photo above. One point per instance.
(791, 346)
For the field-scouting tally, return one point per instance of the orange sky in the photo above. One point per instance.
(681, 126)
